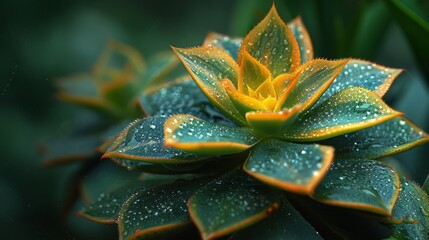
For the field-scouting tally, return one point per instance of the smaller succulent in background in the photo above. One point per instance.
(266, 142)
(111, 91)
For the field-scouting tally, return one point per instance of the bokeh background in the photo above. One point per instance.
(45, 39)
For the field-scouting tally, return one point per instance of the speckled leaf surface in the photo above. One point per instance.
(314, 78)
(391, 137)
(153, 211)
(413, 208)
(208, 66)
(229, 203)
(292, 167)
(182, 96)
(360, 184)
(143, 140)
(359, 73)
(303, 38)
(286, 223)
(226, 43)
(347, 111)
(108, 204)
(195, 135)
(272, 44)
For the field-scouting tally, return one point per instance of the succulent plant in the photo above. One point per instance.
(266, 143)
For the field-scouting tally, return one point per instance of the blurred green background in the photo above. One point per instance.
(43, 40)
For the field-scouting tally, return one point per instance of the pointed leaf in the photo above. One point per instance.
(412, 207)
(252, 73)
(226, 43)
(243, 102)
(195, 135)
(347, 111)
(270, 123)
(391, 137)
(143, 140)
(359, 73)
(208, 66)
(181, 96)
(285, 223)
(108, 205)
(157, 210)
(229, 203)
(360, 184)
(315, 77)
(303, 38)
(293, 167)
(272, 44)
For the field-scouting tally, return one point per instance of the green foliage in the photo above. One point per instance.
(262, 127)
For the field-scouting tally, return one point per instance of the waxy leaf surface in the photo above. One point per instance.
(303, 38)
(230, 203)
(347, 111)
(181, 96)
(413, 209)
(272, 44)
(360, 184)
(159, 209)
(228, 44)
(208, 66)
(390, 137)
(143, 140)
(292, 167)
(314, 78)
(195, 135)
(359, 73)
(286, 223)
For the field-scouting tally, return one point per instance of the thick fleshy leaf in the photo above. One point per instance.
(347, 111)
(228, 44)
(314, 78)
(104, 178)
(390, 137)
(360, 184)
(181, 96)
(208, 66)
(143, 140)
(157, 210)
(285, 223)
(269, 123)
(252, 73)
(108, 205)
(232, 202)
(195, 135)
(413, 208)
(359, 73)
(292, 167)
(303, 38)
(272, 44)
